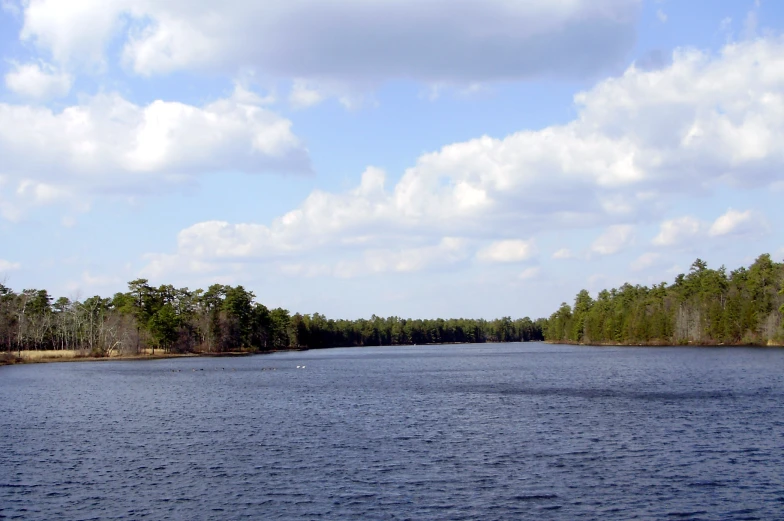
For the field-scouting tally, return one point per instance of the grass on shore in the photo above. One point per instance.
(33, 356)
(75, 355)
(80, 353)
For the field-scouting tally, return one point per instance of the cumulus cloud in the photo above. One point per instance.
(638, 140)
(448, 250)
(689, 230)
(38, 81)
(430, 40)
(645, 261)
(6, 265)
(675, 232)
(513, 250)
(529, 273)
(19, 197)
(445, 252)
(91, 284)
(736, 223)
(108, 144)
(613, 240)
(303, 95)
(563, 253)
(10, 7)
(71, 31)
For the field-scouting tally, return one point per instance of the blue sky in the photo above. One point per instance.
(415, 158)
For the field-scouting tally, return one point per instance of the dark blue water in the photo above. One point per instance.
(509, 431)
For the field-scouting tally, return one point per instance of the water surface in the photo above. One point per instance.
(494, 431)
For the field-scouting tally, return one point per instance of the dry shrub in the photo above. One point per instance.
(33, 356)
(9, 359)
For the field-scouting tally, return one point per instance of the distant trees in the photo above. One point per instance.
(318, 331)
(704, 306)
(220, 319)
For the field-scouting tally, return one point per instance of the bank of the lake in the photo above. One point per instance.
(663, 343)
(42, 357)
(52, 356)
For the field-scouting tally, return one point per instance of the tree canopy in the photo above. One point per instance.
(703, 306)
(221, 318)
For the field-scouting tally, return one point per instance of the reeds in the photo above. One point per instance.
(33, 356)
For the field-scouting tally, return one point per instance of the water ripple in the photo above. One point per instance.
(449, 432)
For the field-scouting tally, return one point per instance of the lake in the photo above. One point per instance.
(492, 431)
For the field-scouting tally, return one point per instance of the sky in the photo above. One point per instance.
(417, 158)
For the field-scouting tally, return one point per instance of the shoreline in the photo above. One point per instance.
(660, 344)
(7, 358)
(11, 358)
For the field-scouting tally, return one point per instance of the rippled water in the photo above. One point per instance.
(504, 431)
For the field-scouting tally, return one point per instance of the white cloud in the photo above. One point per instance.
(445, 252)
(529, 273)
(9, 6)
(303, 96)
(306, 94)
(674, 270)
(637, 141)
(38, 81)
(688, 230)
(8, 265)
(108, 144)
(77, 30)
(349, 39)
(507, 251)
(448, 250)
(41, 193)
(737, 223)
(563, 253)
(661, 15)
(645, 261)
(20, 197)
(89, 284)
(675, 232)
(613, 240)
(750, 23)
(93, 281)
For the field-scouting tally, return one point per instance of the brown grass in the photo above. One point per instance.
(63, 354)
(67, 355)
(35, 356)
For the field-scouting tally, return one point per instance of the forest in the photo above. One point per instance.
(220, 319)
(703, 307)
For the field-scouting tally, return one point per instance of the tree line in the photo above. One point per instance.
(222, 318)
(704, 306)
